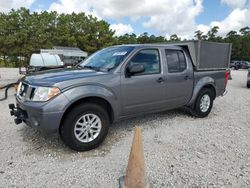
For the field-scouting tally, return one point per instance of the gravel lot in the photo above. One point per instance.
(180, 150)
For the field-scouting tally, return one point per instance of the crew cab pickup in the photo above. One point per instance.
(120, 82)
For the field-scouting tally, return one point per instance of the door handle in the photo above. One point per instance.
(160, 80)
(186, 77)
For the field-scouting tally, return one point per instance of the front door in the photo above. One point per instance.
(143, 92)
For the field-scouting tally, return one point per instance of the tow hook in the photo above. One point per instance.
(15, 111)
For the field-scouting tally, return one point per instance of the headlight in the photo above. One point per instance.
(45, 93)
(19, 88)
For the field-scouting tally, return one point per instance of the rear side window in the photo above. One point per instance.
(150, 58)
(175, 60)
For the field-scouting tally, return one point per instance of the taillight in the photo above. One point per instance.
(227, 73)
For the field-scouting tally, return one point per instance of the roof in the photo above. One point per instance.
(205, 55)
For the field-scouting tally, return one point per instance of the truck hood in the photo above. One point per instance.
(52, 77)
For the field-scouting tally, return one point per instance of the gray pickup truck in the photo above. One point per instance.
(120, 82)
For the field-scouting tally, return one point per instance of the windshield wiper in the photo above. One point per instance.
(88, 67)
(96, 68)
(93, 68)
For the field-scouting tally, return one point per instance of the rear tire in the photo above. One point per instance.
(248, 85)
(85, 127)
(203, 103)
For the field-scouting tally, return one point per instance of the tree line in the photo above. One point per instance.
(23, 32)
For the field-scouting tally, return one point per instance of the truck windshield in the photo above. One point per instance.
(107, 58)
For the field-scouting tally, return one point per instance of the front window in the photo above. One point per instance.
(150, 58)
(107, 58)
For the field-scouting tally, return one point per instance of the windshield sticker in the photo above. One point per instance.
(119, 53)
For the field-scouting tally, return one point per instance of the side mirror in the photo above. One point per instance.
(135, 69)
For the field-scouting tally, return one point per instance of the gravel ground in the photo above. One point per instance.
(180, 151)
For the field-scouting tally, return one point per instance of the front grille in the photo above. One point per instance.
(25, 91)
(22, 90)
(32, 92)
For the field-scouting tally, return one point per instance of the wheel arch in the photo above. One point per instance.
(203, 83)
(96, 100)
(212, 88)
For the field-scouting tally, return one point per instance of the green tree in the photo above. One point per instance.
(143, 38)
(127, 39)
(23, 32)
(198, 34)
(212, 33)
(245, 31)
(234, 38)
(174, 37)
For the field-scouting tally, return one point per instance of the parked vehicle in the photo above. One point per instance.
(234, 65)
(41, 62)
(248, 78)
(69, 55)
(55, 58)
(121, 82)
(244, 65)
(240, 65)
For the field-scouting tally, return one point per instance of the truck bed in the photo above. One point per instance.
(218, 77)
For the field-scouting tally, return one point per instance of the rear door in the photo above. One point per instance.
(179, 79)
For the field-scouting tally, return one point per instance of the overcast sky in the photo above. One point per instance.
(158, 17)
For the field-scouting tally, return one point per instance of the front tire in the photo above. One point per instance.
(85, 127)
(203, 103)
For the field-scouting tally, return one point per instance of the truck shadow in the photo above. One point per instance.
(51, 145)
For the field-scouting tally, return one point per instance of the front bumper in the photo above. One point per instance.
(45, 117)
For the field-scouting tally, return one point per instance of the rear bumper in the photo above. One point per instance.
(41, 116)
